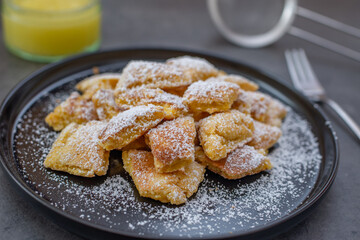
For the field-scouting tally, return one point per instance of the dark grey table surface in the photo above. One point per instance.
(187, 24)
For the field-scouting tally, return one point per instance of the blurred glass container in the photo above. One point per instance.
(46, 31)
(252, 24)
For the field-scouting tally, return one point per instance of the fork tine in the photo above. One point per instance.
(292, 69)
(303, 79)
(311, 77)
(303, 75)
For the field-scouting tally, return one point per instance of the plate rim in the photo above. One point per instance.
(186, 51)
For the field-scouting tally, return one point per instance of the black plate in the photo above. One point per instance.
(221, 209)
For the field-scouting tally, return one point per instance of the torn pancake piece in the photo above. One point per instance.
(105, 105)
(77, 151)
(264, 136)
(152, 75)
(172, 144)
(130, 125)
(138, 144)
(174, 187)
(241, 81)
(89, 86)
(241, 162)
(74, 109)
(195, 68)
(261, 106)
(221, 133)
(276, 113)
(172, 104)
(210, 96)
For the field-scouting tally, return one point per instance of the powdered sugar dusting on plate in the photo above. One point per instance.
(220, 206)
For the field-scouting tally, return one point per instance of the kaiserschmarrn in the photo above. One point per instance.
(261, 106)
(77, 151)
(172, 144)
(172, 104)
(74, 109)
(174, 187)
(92, 84)
(241, 162)
(104, 103)
(221, 133)
(169, 121)
(130, 125)
(210, 96)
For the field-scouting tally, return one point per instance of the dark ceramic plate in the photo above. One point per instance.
(109, 207)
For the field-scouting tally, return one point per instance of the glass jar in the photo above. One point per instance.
(46, 31)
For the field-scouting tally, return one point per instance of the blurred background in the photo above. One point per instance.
(187, 24)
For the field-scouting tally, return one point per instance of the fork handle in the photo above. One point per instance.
(353, 126)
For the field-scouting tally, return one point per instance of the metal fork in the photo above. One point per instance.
(305, 80)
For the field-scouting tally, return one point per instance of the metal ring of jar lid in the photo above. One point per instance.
(259, 40)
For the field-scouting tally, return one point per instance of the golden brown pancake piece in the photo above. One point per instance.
(241, 162)
(195, 68)
(241, 81)
(261, 106)
(130, 125)
(74, 109)
(138, 144)
(172, 144)
(172, 104)
(152, 75)
(276, 113)
(77, 151)
(174, 187)
(89, 86)
(210, 96)
(221, 133)
(264, 136)
(105, 105)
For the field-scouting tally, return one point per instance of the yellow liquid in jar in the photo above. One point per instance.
(51, 28)
(51, 5)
